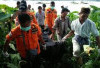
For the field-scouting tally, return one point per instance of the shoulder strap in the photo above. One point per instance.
(23, 39)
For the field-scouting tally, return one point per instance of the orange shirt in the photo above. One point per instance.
(50, 16)
(31, 38)
(33, 19)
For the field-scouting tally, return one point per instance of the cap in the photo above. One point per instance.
(23, 6)
(65, 9)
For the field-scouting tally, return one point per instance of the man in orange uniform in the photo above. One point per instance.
(26, 36)
(50, 16)
(23, 9)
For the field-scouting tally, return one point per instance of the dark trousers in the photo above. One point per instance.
(32, 62)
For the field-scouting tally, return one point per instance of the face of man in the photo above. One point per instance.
(29, 6)
(64, 14)
(25, 24)
(83, 16)
(40, 9)
(52, 6)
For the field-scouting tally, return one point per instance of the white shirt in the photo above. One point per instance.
(84, 29)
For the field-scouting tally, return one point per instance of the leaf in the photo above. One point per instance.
(89, 64)
(10, 65)
(12, 46)
(17, 56)
(4, 17)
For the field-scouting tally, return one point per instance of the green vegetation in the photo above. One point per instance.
(90, 61)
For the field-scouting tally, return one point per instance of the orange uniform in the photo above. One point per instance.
(31, 38)
(33, 19)
(50, 16)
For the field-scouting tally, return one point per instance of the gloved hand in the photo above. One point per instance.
(44, 46)
(5, 54)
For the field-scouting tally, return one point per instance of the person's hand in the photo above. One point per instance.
(44, 46)
(52, 36)
(5, 54)
(64, 39)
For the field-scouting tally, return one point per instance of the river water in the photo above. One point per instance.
(71, 6)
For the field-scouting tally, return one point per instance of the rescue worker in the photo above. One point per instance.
(50, 16)
(18, 4)
(26, 36)
(23, 9)
(44, 6)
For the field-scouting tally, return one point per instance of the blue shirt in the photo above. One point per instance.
(40, 17)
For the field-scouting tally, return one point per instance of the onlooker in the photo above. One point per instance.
(62, 7)
(44, 6)
(32, 10)
(18, 4)
(40, 16)
(82, 27)
(16, 13)
(29, 8)
(61, 25)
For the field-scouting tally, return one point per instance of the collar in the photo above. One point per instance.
(83, 22)
(61, 18)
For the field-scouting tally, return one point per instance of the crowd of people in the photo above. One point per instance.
(30, 25)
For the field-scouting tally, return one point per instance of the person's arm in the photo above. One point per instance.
(69, 23)
(36, 15)
(54, 29)
(39, 33)
(68, 35)
(34, 20)
(41, 39)
(98, 41)
(12, 34)
(6, 45)
(55, 14)
(53, 34)
(95, 33)
(47, 12)
(14, 15)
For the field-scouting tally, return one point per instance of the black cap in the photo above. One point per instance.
(85, 10)
(18, 2)
(52, 2)
(23, 6)
(65, 9)
(39, 7)
(44, 5)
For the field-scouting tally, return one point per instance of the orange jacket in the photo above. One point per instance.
(50, 16)
(32, 15)
(31, 38)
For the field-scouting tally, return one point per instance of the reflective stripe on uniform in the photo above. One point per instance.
(10, 34)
